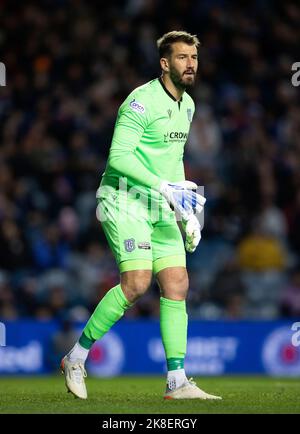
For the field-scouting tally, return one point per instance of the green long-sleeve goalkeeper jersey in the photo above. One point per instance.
(149, 137)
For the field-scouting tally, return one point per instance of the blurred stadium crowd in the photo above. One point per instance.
(69, 65)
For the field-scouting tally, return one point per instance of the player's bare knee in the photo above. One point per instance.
(135, 283)
(134, 292)
(176, 289)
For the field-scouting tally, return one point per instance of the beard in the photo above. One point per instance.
(182, 81)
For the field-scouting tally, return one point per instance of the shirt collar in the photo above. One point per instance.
(169, 93)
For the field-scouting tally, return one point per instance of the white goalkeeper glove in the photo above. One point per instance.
(182, 197)
(192, 230)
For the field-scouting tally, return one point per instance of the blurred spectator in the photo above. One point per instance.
(290, 298)
(234, 307)
(14, 252)
(49, 249)
(8, 309)
(61, 341)
(272, 220)
(205, 138)
(293, 216)
(260, 251)
(228, 290)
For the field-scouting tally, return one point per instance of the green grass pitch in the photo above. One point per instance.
(134, 395)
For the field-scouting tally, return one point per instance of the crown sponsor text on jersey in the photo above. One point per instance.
(178, 135)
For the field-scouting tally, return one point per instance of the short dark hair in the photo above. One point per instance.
(164, 44)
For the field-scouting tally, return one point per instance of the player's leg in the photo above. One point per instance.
(172, 277)
(124, 236)
(173, 283)
(111, 308)
(113, 305)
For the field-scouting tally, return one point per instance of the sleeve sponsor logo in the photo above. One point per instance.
(137, 106)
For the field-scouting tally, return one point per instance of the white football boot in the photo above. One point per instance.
(188, 390)
(75, 374)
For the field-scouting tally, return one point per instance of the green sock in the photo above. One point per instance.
(110, 309)
(173, 327)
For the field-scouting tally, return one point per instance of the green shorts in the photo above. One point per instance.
(142, 234)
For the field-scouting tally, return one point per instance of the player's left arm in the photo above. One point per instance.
(190, 225)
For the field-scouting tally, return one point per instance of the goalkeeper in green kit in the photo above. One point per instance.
(142, 194)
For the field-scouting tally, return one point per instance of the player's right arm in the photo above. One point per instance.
(133, 118)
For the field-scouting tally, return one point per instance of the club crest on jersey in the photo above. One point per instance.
(189, 114)
(129, 245)
(169, 113)
(137, 106)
